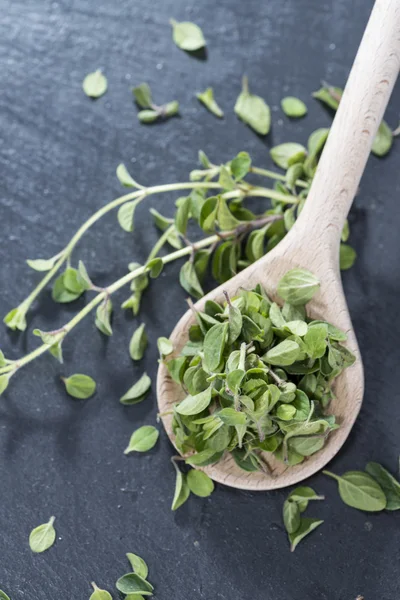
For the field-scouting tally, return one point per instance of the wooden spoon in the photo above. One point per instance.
(313, 243)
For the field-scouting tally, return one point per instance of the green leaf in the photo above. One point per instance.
(193, 405)
(142, 94)
(285, 412)
(51, 337)
(56, 351)
(214, 345)
(347, 257)
(316, 341)
(187, 36)
(131, 583)
(360, 490)
(68, 287)
(284, 155)
(142, 440)
(296, 327)
(103, 316)
(225, 179)
(240, 165)
(232, 417)
(16, 318)
(306, 526)
(159, 220)
(189, 280)
(95, 84)
(126, 214)
(293, 107)
(41, 264)
(3, 596)
(200, 483)
(138, 565)
(182, 215)
(138, 343)
(253, 110)
(389, 485)
(283, 354)
(99, 594)
(165, 346)
(298, 286)
(125, 178)
(43, 537)
(383, 140)
(315, 144)
(182, 491)
(79, 386)
(138, 391)
(329, 95)
(156, 265)
(208, 214)
(83, 278)
(291, 516)
(4, 381)
(170, 109)
(302, 495)
(148, 116)
(294, 172)
(207, 98)
(3, 361)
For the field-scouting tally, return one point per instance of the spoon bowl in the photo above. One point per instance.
(313, 243)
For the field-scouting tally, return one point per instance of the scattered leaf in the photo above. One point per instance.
(138, 391)
(42, 537)
(207, 98)
(143, 439)
(79, 386)
(95, 84)
(187, 36)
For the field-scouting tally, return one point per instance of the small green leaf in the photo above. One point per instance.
(4, 381)
(165, 346)
(125, 178)
(182, 491)
(51, 337)
(360, 490)
(138, 391)
(131, 583)
(329, 95)
(389, 485)
(193, 405)
(159, 220)
(284, 155)
(291, 516)
(79, 386)
(298, 286)
(68, 287)
(200, 483)
(283, 354)
(225, 180)
(3, 596)
(142, 440)
(95, 84)
(142, 94)
(41, 264)
(189, 280)
(383, 140)
(285, 412)
(138, 565)
(83, 278)
(182, 214)
(302, 495)
(187, 36)
(16, 318)
(148, 116)
(347, 257)
(156, 266)
(207, 98)
(42, 537)
(103, 316)
(293, 107)
(240, 165)
(306, 526)
(126, 214)
(253, 110)
(99, 594)
(138, 343)
(56, 351)
(214, 345)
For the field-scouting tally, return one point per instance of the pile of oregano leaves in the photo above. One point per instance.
(258, 378)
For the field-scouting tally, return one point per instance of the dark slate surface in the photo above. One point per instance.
(58, 154)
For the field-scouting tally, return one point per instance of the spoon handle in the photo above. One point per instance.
(359, 115)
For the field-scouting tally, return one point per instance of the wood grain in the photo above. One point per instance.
(313, 243)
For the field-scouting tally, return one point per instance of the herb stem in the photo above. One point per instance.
(278, 176)
(160, 242)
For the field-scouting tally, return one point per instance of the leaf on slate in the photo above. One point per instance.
(138, 343)
(298, 286)
(68, 287)
(143, 439)
(225, 180)
(165, 346)
(187, 36)
(125, 178)
(83, 276)
(240, 165)
(389, 485)
(189, 280)
(307, 525)
(200, 483)
(50, 337)
(16, 318)
(207, 98)
(99, 594)
(182, 214)
(182, 491)
(4, 381)
(287, 154)
(291, 516)
(293, 107)
(156, 266)
(42, 537)
(138, 391)
(138, 565)
(253, 110)
(148, 116)
(103, 316)
(131, 583)
(359, 490)
(383, 140)
(347, 257)
(42, 264)
(95, 84)
(79, 386)
(126, 214)
(329, 95)
(142, 94)
(3, 596)
(302, 495)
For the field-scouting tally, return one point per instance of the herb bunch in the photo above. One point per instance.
(258, 377)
